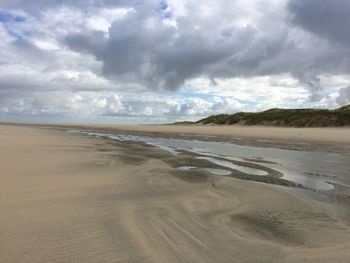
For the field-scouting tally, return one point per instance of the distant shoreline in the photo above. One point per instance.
(328, 135)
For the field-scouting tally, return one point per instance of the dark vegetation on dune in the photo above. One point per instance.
(283, 117)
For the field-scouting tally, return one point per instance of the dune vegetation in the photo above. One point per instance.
(284, 117)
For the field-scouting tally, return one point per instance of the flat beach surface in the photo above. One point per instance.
(66, 197)
(312, 135)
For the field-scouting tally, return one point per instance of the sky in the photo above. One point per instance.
(158, 61)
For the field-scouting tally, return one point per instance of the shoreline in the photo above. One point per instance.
(291, 135)
(328, 135)
(338, 196)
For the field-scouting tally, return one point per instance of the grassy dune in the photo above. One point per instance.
(285, 117)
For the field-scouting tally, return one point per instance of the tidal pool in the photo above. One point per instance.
(295, 165)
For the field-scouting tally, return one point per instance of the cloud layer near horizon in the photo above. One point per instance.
(175, 59)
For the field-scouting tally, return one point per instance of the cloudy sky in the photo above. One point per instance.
(156, 61)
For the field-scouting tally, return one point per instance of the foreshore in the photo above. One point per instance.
(311, 135)
(327, 135)
(71, 198)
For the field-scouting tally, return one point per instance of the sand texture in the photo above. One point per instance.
(73, 198)
(309, 135)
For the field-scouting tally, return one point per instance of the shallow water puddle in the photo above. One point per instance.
(295, 165)
(185, 168)
(228, 164)
(216, 171)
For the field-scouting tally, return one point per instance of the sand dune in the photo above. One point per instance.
(70, 198)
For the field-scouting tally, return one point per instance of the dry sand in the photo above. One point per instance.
(70, 198)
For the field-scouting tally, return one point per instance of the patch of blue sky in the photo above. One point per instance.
(209, 96)
(16, 34)
(163, 5)
(6, 17)
(188, 94)
(9, 20)
(163, 10)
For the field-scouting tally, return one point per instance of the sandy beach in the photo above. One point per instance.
(286, 134)
(66, 197)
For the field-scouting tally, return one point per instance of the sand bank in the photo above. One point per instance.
(308, 135)
(72, 198)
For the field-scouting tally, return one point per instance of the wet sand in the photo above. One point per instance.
(308, 135)
(72, 198)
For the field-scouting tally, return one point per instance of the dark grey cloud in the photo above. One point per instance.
(328, 21)
(144, 48)
(141, 49)
(326, 18)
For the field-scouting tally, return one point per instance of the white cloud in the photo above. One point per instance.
(116, 59)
